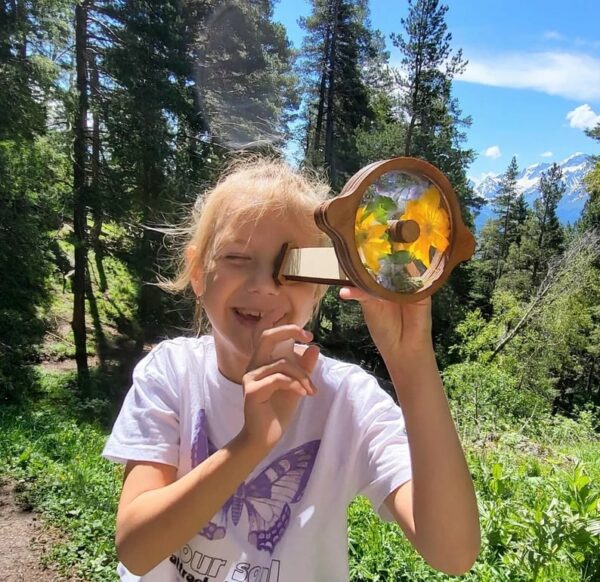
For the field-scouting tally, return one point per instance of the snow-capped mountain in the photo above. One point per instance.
(574, 168)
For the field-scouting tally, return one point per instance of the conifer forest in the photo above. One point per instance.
(114, 117)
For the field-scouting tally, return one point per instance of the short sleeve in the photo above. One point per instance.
(383, 451)
(147, 428)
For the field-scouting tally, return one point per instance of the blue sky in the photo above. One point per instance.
(533, 80)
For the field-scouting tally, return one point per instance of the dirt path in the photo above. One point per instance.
(23, 541)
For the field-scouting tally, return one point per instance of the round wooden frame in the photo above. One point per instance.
(337, 219)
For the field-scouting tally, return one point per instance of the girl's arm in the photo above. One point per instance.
(437, 509)
(158, 514)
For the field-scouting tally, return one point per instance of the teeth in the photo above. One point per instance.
(250, 313)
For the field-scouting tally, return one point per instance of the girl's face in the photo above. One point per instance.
(240, 296)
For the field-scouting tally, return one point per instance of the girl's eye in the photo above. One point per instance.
(236, 258)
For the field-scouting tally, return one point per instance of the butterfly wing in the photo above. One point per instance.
(269, 495)
(200, 441)
(216, 528)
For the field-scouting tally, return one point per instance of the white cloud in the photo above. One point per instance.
(587, 43)
(553, 35)
(583, 117)
(547, 155)
(570, 75)
(493, 152)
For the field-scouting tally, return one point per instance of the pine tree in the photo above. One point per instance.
(430, 66)
(338, 53)
(144, 103)
(538, 240)
(550, 237)
(508, 209)
(590, 217)
(242, 70)
(435, 129)
(34, 178)
(499, 241)
(183, 83)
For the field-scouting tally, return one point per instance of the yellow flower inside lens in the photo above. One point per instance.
(370, 241)
(433, 222)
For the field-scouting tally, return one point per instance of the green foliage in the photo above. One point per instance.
(54, 455)
(486, 398)
(500, 236)
(536, 518)
(339, 52)
(546, 341)
(591, 212)
(590, 217)
(32, 191)
(537, 511)
(244, 81)
(379, 551)
(118, 304)
(343, 333)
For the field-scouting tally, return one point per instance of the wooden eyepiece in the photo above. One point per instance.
(403, 231)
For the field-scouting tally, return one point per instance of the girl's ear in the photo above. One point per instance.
(196, 274)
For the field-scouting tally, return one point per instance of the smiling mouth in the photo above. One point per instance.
(249, 314)
(253, 316)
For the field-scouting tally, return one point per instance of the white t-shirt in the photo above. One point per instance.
(287, 521)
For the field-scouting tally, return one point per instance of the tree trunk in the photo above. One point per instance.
(96, 204)
(308, 132)
(418, 68)
(80, 193)
(21, 16)
(329, 127)
(503, 251)
(323, 85)
(540, 242)
(150, 308)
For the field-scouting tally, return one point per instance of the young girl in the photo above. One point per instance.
(241, 459)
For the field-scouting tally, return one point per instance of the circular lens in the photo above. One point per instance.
(402, 231)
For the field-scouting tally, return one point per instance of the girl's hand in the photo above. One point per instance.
(273, 386)
(395, 328)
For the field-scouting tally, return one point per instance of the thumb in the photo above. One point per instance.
(308, 360)
(354, 293)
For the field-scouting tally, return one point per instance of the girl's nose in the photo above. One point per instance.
(262, 280)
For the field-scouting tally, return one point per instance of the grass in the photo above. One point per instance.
(536, 514)
(536, 501)
(52, 449)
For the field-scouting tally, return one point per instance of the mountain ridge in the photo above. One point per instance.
(574, 168)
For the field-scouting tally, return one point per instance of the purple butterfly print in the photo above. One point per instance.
(267, 497)
(200, 450)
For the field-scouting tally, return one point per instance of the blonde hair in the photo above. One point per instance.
(246, 191)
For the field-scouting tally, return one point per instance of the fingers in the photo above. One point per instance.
(275, 365)
(265, 347)
(268, 321)
(280, 375)
(356, 294)
(284, 349)
(262, 390)
(292, 371)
